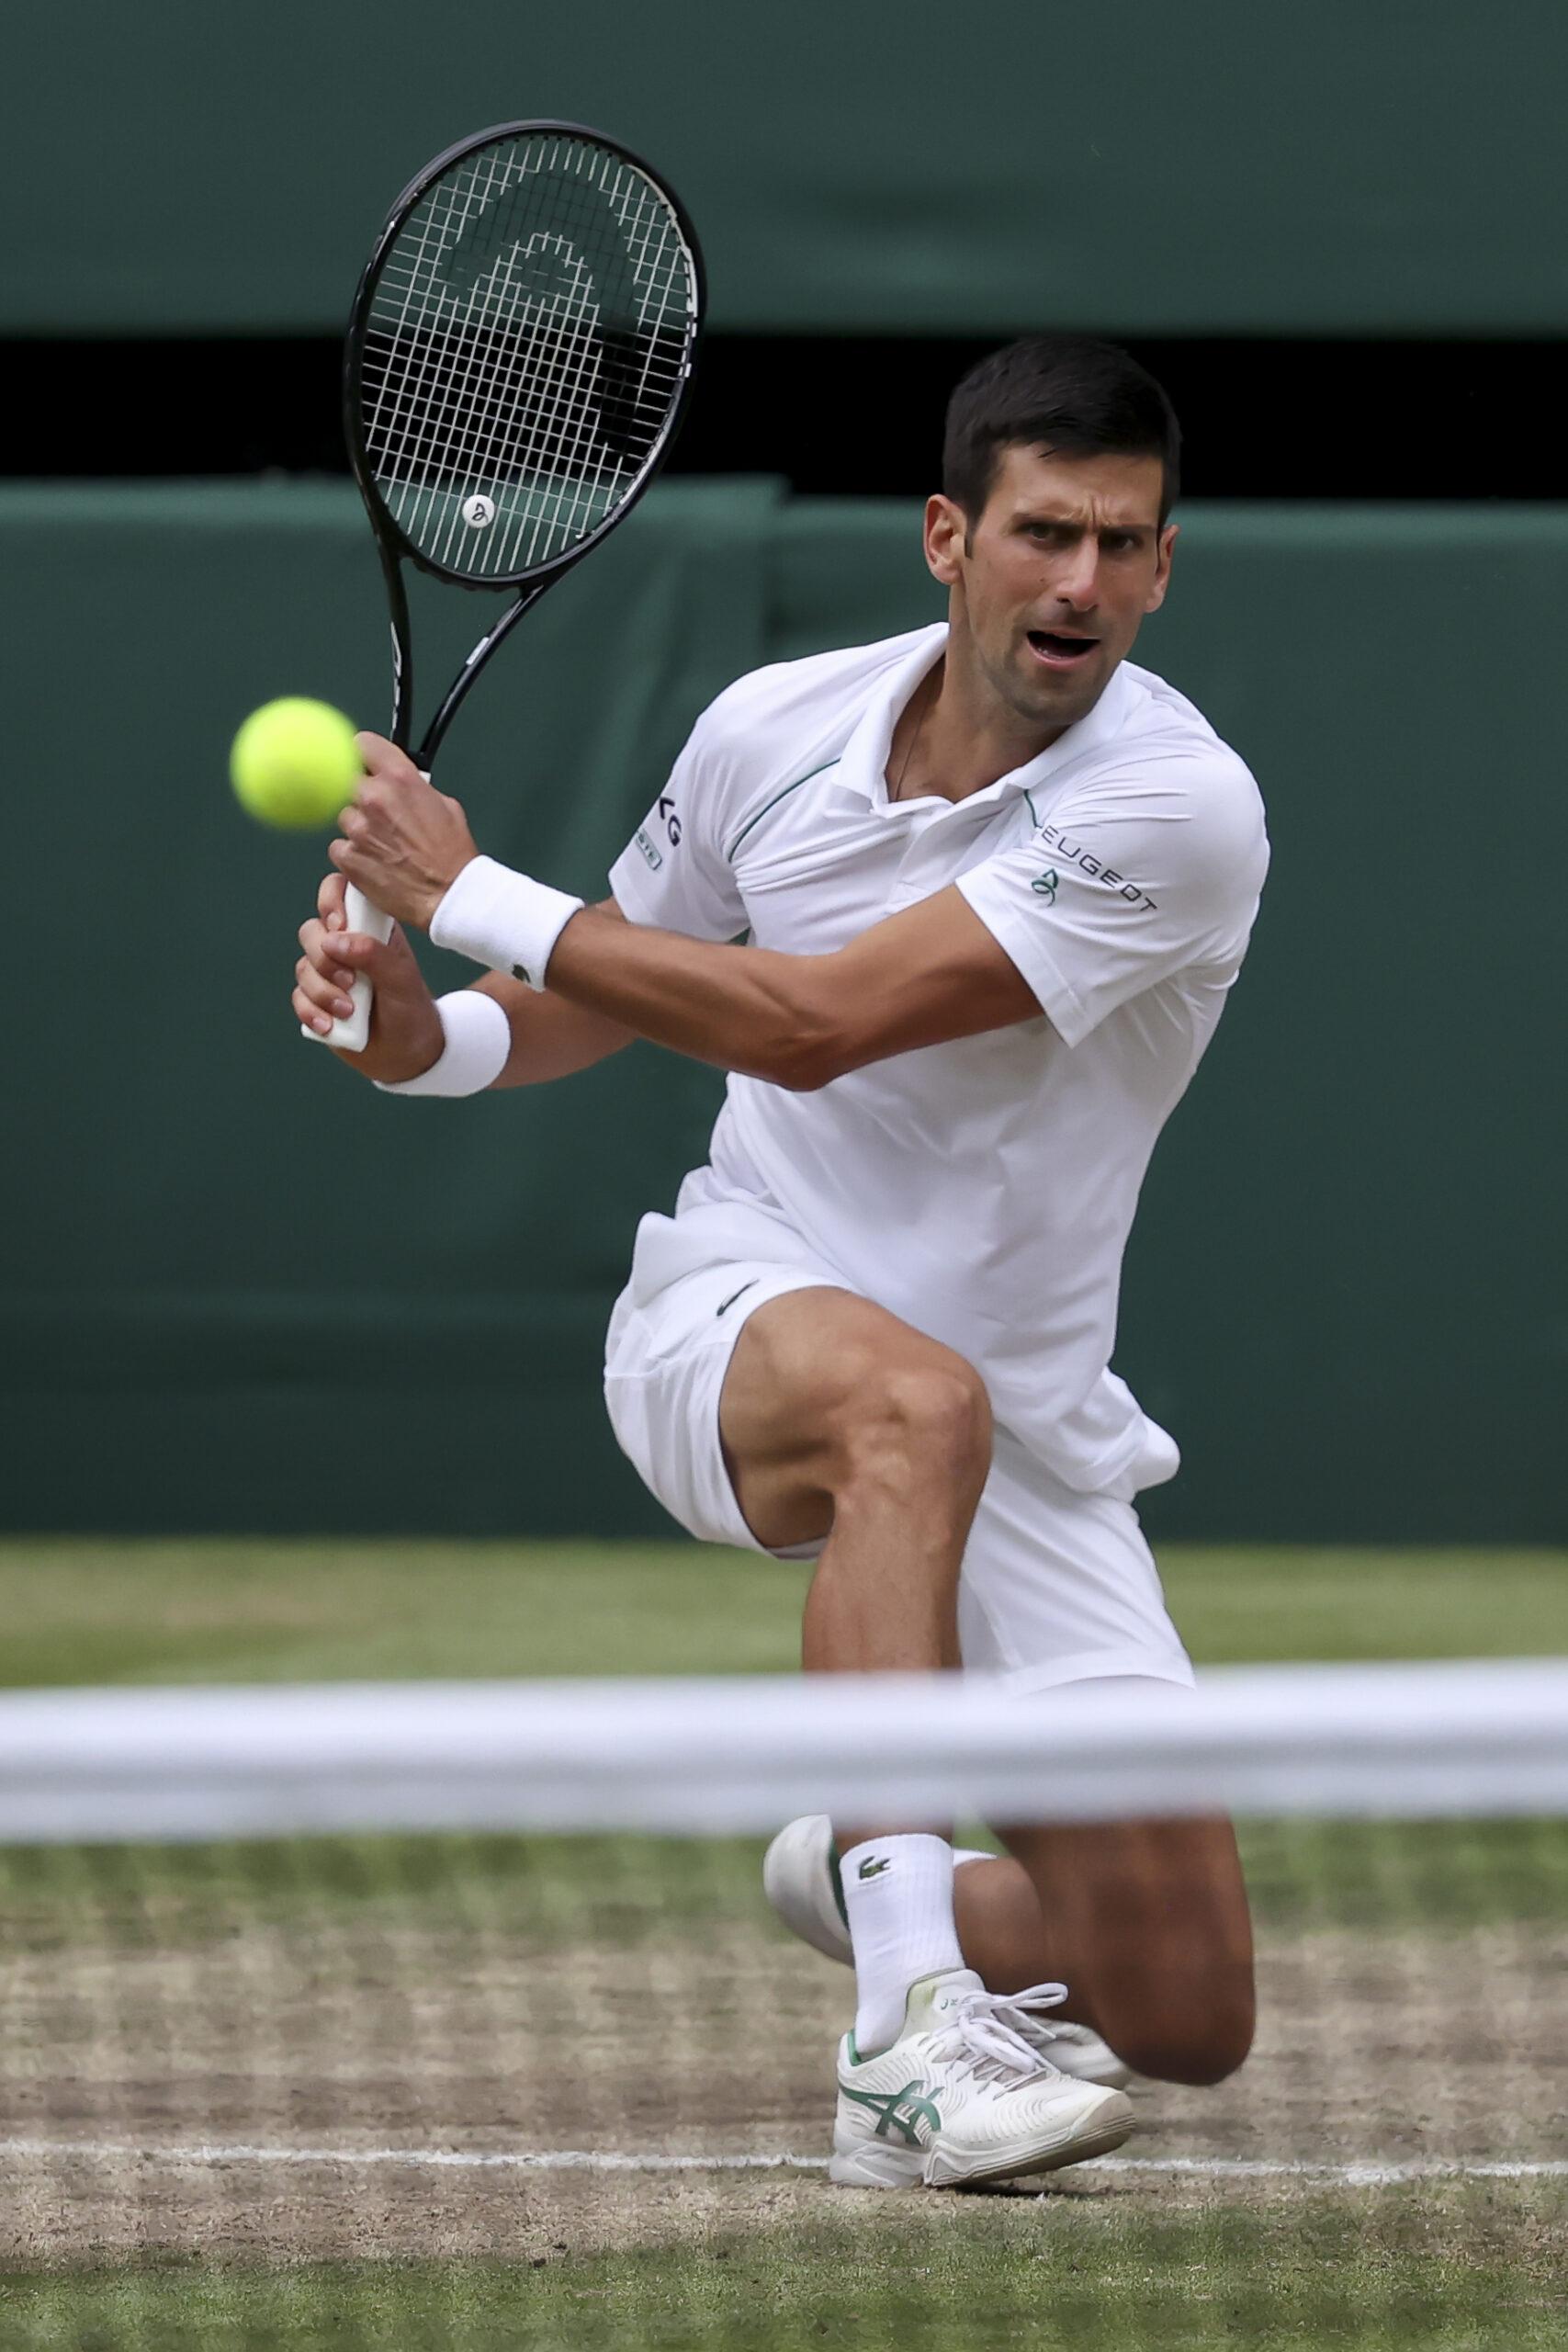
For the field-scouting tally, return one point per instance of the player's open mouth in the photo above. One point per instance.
(1059, 652)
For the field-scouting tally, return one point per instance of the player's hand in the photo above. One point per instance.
(406, 1037)
(403, 842)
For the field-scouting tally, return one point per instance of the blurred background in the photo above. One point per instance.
(244, 1294)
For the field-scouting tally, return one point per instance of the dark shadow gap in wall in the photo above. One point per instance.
(852, 416)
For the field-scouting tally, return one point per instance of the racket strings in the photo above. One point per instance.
(525, 342)
(430, 371)
(433, 365)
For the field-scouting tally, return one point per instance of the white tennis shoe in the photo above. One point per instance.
(798, 1881)
(962, 2096)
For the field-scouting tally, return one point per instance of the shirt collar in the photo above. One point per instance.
(862, 764)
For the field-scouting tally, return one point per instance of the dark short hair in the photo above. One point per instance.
(1068, 393)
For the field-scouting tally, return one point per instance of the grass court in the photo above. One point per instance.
(484, 2092)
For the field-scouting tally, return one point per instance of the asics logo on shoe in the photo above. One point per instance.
(873, 1866)
(885, 2107)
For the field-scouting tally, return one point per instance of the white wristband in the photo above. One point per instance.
(479, 1038)
(505, 920)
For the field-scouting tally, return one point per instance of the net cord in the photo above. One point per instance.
(745, 1754)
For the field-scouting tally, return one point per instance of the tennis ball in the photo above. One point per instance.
(295, 764)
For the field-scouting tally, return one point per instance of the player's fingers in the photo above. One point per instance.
(330, 900)
(353, 953)
(321, 991)
(358, 861)
(384, 759)
(309, 1014)
(332, 953)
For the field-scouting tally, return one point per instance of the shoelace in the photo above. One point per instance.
(981, 2029)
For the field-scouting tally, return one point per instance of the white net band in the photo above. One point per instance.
(1418, 1741)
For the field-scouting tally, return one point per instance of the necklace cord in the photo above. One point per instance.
(897, 793)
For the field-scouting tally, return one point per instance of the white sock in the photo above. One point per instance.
(898, 1902)
(972, 1854)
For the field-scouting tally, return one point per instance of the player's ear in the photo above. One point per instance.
(946, 531)
(1165, 550)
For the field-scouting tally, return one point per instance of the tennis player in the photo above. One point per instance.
(994, 883)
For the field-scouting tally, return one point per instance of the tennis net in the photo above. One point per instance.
(455, 2015)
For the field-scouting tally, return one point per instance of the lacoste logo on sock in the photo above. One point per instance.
(872, 1867)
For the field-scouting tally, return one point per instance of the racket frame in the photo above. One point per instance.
(393, 545)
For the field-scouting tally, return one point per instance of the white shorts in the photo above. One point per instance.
(1056, 1586)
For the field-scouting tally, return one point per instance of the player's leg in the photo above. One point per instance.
(845, 1432)
(1145, 1921)
(839, 1422)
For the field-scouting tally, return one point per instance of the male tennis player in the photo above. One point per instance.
(996, 883)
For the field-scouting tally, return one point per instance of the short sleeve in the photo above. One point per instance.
(674, 874)
(1137, 876)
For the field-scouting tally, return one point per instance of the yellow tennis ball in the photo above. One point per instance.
(295, 764)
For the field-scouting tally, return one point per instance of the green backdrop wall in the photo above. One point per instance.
(242, 1291)
(1208, 166)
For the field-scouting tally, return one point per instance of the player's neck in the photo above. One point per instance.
(953, 739)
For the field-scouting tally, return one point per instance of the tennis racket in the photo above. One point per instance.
(519, 357)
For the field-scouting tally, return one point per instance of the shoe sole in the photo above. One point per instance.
(876, 2167)
(1107, 2131)
(873, 2164)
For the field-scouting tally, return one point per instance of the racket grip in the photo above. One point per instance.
(351, 1035)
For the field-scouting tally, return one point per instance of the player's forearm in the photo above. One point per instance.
(930, 973)
(745, 1009)
(551, 1036)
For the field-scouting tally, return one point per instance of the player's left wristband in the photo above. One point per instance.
(477, 1040)
(505, 920)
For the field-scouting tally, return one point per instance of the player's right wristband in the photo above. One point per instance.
(502, 918)
(479, 1038)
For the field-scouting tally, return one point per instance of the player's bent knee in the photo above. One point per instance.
(928, 1419)
(1202, 2044)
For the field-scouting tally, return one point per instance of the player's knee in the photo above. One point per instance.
(1199, 2040)
(926, 1420)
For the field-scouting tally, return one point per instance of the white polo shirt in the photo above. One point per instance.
(982, 1189)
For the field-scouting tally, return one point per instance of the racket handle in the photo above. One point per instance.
(351, 1035)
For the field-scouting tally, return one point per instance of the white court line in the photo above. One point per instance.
(1349, 2175)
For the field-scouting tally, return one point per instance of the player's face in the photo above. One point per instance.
(1052, 581)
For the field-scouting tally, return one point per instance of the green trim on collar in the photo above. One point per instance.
(752, 822)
